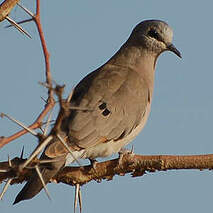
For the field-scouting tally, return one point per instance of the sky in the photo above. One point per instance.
(81, 36)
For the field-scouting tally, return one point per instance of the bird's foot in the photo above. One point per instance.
(122, 152)
(93, 163)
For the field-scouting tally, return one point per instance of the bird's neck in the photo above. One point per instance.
(137, 59)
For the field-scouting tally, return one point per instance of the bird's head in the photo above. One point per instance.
(155, 36)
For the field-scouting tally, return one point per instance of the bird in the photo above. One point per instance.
(115, 100)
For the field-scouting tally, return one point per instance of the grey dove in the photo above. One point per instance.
(117, 99)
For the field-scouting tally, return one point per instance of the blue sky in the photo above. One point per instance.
(81, 36)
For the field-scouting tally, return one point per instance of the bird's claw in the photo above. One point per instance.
(124, 151)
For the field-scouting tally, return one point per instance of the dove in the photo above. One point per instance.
(116, 100)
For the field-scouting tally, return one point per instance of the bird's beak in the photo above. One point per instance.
(172, 48)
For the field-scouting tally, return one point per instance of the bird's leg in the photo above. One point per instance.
(123, 151)
(93, 163)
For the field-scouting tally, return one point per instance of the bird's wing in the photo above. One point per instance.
(114, 100)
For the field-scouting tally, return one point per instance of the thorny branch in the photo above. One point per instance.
(137, 165)
(5, 9)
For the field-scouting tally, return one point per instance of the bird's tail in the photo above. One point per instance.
(34, 185)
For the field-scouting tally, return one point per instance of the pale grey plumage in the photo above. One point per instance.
(118, 97)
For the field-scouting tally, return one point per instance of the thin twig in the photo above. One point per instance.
(44, 47)
(37, 123)
(51, 102)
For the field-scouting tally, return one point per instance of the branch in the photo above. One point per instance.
(137, 165)
(44, 48)
(50, 102)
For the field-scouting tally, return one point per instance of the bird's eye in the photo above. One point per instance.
(154, 34)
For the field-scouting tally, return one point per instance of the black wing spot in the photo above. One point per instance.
(102, 106)
(105, 112)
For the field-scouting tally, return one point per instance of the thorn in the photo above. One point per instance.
(44, 100)
(45, 123)
(17, 26)
(48, 161)
(44, 84)
(9, 161)
(26, 10)
(20, 22)
(20, 124)
(52, 121)
(36, 151)
(132, 150)
(42, 181)
(70, 96)
(80, 199)
(41, 130)
(5, 188)
(3, 170)
(67, 147)
(48, 122)
(77, 189)
(22, 153)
